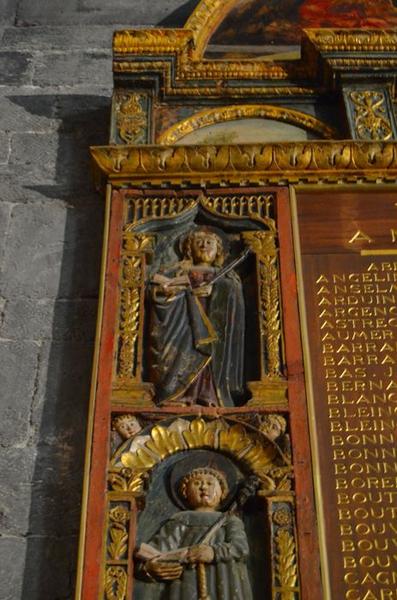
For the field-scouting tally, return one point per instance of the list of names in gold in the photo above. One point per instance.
(356, 365)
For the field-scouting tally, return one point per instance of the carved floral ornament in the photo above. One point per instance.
(257, 207)
(371, 120)
(132, 464)
(253, 163)
(116, 583)
(353, 40)
(131, 117)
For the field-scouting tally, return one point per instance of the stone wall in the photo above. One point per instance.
(55, 87)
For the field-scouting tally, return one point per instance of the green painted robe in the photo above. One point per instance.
(227, 576)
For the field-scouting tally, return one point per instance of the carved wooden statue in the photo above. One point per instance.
(199, 553)
(197, 326)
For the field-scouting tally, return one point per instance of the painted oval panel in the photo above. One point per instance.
(246, 131)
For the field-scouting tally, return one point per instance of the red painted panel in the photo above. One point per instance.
(100, 440)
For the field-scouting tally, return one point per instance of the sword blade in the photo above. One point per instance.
(228, 267)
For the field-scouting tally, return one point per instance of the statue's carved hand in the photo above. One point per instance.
(205, 290)
(173, 290)
(168, 293)
(166, 571)
(202, 553)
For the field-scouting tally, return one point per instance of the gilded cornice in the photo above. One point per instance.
(218, 88)
(150, 41)
(221, 114)
(315, 161)
(176, 55)
(353, 40)
(198, 29)
(350, 52)
(179, 45)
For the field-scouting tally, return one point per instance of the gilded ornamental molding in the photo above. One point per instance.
(129, 470)
(131, 117)
(205, 19)
(350, 53)
(175, 48)
(313, 161)
(353, 40)
(150, 41)
(184, 71)
(371, 118)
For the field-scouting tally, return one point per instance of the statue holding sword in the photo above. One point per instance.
(199, 553)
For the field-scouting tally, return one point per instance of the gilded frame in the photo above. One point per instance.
(372, 166)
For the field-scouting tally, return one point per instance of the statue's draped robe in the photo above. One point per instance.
(227, 575)
(189, 335)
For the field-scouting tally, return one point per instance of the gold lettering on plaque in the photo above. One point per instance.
(358, 330)
(360, 236)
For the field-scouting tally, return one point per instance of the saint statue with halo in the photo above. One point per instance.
(199, 553)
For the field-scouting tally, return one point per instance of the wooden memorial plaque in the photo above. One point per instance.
(349, 268)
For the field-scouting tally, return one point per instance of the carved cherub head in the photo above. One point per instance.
(126, 425)
(273, 426)
(204, 247)
(204, 488)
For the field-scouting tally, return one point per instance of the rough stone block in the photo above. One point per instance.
(27, 112)
(16, 468)
(53, 250)
(69, 38)
(33, 255)
(99, 6)
(27, 319)
(56, 490)
(50, 567)
(13, 191)
(82, 253)
(63, 388)
(8, 10)
(5, 213)
(84, 113)
(35, 13)
(47, 112)
(43, 319)
(12, 560)
(34, 156)
(94, 12)
(4, 147)
(17, 381)
(15, 68)
(73, 69)
(60, 157)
